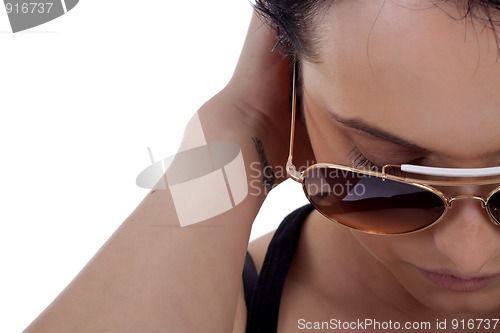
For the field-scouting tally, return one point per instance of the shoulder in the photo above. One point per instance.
(257, 250)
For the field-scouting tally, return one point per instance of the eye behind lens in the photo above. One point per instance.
(369, 203)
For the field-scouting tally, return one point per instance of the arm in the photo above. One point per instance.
(153, 275)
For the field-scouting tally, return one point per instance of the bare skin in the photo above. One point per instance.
(444, 104)
(424, 87)
(427, 87)
(146, 278)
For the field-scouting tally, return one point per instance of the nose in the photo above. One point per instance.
(467, 236)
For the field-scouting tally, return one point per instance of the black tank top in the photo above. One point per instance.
(263, 292)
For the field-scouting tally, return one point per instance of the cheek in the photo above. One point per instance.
(394, 250)
(383, 248)
(390, 249)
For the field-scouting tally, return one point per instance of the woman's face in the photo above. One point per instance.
(399, 82)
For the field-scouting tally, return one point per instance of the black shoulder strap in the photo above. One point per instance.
(264, 308)
(249, 279)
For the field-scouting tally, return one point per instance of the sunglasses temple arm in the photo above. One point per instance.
(451, 172)
(292, 172)
(294, 105)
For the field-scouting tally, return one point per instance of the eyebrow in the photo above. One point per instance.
(363, 126)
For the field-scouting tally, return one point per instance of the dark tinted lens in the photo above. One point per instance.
(369, 203)
(494, 206)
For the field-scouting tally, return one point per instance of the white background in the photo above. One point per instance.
(81, 99)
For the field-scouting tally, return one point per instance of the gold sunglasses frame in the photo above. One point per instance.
(299, 177)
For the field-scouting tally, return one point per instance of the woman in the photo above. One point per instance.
(380, 83)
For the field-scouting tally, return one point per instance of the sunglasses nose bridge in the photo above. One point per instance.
(467, 196)
(484, 204)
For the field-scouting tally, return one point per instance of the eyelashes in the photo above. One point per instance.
(359, 160)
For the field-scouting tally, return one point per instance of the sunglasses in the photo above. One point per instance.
(389, 201)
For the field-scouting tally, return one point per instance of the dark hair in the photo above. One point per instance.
(294, 20)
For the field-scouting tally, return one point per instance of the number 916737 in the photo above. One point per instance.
(474, 324)
(29, 7)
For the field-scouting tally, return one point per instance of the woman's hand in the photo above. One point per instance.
(255, 105)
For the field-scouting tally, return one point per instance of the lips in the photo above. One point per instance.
(458, 282)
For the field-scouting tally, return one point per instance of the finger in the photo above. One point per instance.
(260, 52)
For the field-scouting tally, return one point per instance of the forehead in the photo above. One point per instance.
(408, 68)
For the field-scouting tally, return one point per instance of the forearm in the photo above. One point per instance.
(153, 275)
